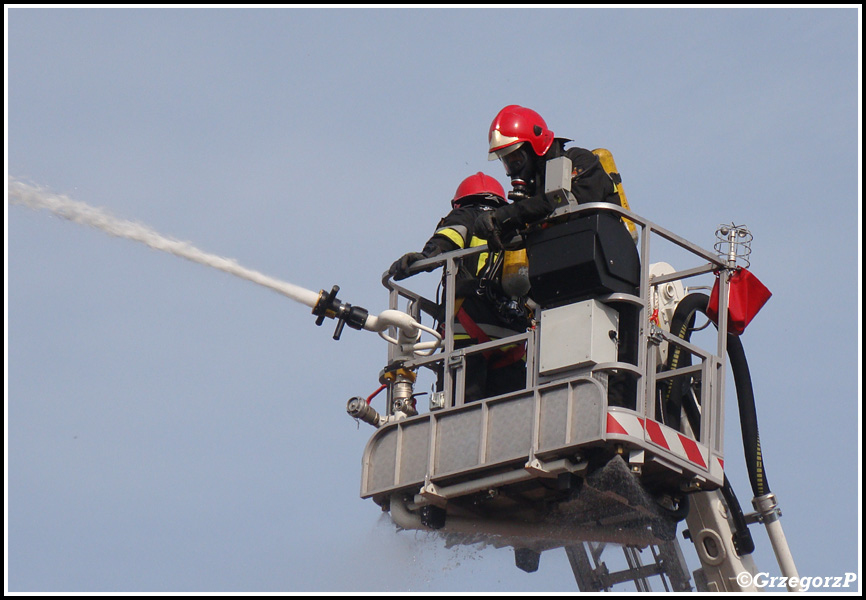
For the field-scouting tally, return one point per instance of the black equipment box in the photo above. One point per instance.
(586, 257)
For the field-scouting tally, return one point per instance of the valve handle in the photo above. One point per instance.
(341, 322)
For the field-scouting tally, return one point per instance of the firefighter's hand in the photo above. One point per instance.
(400, 269)
(487, 227)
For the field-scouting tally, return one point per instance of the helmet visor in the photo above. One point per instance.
(500, 145)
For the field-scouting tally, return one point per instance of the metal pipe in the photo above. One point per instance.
(767, 507)
(408, 327)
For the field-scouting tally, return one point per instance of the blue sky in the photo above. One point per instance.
(173, 428)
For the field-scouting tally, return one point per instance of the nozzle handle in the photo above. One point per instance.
(324, 304)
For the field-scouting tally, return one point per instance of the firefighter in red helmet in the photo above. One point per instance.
(476, 194)
(521, 140)
(481, 316)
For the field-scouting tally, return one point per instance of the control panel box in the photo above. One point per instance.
(577, 335)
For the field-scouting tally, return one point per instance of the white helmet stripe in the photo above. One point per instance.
(494, 154)
(497, 140)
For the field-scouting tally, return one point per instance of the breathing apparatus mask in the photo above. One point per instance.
(520, 166)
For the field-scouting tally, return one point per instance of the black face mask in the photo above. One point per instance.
(520, 166)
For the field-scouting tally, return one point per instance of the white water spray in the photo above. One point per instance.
(36, 197)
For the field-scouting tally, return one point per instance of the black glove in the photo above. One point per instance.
(400, 269)
(488, 227)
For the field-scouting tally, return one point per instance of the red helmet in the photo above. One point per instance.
(479, 185)
(515, 125)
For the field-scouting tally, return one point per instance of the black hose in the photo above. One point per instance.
(748, 416)
(682, 324)
(742, 537)
(677, 397)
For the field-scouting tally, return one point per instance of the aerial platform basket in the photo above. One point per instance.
(583, 452)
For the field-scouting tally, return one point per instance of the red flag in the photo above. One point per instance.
(747, 296)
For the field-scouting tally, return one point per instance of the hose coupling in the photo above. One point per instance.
(358, 408)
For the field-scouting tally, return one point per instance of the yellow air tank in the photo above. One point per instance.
(515, 273)
(609, 166)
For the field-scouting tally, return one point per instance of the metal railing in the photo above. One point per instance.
(710, 372)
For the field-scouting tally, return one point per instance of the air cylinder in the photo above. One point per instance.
(515, 273)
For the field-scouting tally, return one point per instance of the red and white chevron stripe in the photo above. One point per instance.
(622, 423)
